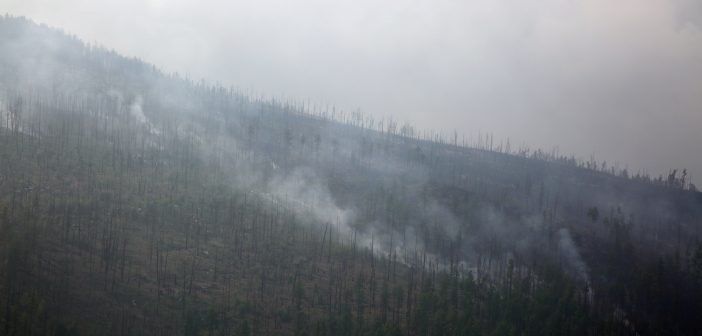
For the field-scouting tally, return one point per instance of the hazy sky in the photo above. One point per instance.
(621, 79)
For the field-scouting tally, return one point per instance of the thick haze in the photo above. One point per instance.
(618, 79)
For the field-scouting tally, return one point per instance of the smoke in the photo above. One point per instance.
(138, 113)
(570, 256)
(619, 80)
(3, 112)
(365, 185)
(303, 189)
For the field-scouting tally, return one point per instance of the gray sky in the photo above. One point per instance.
(618, 79)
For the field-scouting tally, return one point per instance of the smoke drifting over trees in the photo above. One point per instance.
(587, 77)
(140, 202)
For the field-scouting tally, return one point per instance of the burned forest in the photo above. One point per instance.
(139, 202)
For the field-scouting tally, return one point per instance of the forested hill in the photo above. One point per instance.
(134, 202)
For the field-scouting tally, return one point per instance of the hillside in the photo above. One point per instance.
(136, 202)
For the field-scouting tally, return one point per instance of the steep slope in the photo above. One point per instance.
(136, 202)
